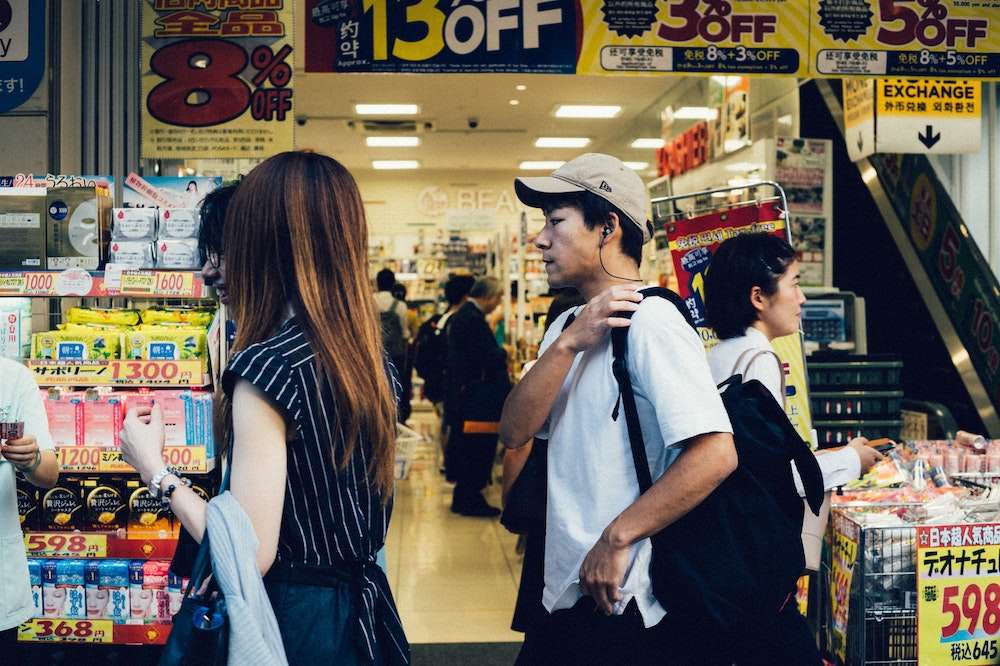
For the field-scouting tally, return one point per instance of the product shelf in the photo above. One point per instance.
(119, 372)
(80, 283)
(92, 545)
(92, 631)
(97, 460)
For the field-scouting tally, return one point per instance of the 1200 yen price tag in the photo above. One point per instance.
(66, 631)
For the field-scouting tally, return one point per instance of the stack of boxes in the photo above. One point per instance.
(124, 591)
(76, 227)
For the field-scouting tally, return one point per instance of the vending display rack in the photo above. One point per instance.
(112, 288)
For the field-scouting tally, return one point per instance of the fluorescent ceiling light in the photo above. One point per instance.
(514, 102)
(386, 109)
(562, 142)
(587, 111)
(696, 113)
(785, 119)
(392, 141)
(648, 143)
(745, 167)
(395, 164)
(521, 87)
(530, 165)
(637, 166)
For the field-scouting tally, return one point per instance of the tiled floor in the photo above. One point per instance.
(454, 578)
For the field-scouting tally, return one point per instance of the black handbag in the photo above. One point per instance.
(524, 510)
(200, 633)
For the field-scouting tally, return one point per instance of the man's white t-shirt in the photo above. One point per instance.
(591, 476)
(20, 400)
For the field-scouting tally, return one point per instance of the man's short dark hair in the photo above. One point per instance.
(457, 287)
(596, 211)
(385, 280)
(399, 291)
(739, 265)
(213, 220)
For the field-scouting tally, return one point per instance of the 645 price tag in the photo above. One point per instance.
(40, 630)
(55, 544)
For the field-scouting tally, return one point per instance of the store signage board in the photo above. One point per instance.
(217, 83)
(859, 117)
(960, 275)
(843, 560)
(439, 37)
(118, 373)
(958, 594)
(22, 51)
(692, 243)
(902, 38)
(693, 37)
(928, 116)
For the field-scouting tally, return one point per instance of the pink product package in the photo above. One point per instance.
(175, 417)
(65, 415)
(149, 597)
(102, 420)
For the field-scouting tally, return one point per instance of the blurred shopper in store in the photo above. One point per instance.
(752, 296)
(431, 351)
(405, 370)
(26, 450)
(395, 336)
(597, 551)
(529, 613)
(477, 386)
(307, 413)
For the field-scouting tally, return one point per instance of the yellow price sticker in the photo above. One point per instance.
(112, 460)
(43, 630)
(79, 458)
(179, 284)
(12, 284)
(58, 544)
(191, 459)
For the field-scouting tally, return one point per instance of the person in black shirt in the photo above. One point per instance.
(307, 416)
(477, 387)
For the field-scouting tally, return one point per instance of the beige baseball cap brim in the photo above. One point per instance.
(602, 175)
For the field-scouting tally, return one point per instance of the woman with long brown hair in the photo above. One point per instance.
(307, 412)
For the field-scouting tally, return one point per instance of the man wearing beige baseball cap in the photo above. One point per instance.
(597, 551)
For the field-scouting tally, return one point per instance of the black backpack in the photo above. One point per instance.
(393, 338)
(430, 358)
(731, 563)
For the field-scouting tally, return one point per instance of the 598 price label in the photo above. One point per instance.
(66, 631)
(55, 544)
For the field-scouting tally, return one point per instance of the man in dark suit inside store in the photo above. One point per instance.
(477, 387)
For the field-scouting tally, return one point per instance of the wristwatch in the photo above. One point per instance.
(28, 469)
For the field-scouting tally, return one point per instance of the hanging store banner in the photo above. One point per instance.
(958, 594)
(960, 275)
(905, 38)
(217, 78)
(928, 116)
(859, 117)
(844, 556)
(22, 51)
(694, 37)
(692, 243)
(441, 36)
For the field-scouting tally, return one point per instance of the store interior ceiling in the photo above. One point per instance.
(468, 121)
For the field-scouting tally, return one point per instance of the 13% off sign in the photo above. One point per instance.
(958, 594)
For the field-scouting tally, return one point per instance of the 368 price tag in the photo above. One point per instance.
(40, 630)
(55, 544)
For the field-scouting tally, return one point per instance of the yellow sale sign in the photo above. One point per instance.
(694, 37)
(905, 38)
(958, 594)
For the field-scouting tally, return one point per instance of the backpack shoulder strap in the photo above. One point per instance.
(749, 356)
(619, 367)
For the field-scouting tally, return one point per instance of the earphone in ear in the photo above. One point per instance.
(606, 232)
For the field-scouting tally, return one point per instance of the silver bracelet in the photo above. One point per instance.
(33, 466)
(154, 483)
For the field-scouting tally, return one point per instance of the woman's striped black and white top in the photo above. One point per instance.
(332, 517)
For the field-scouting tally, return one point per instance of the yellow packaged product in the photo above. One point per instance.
(94, 327)
(157, 343)
(115, 317)
(196, 316)
(76, 345)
